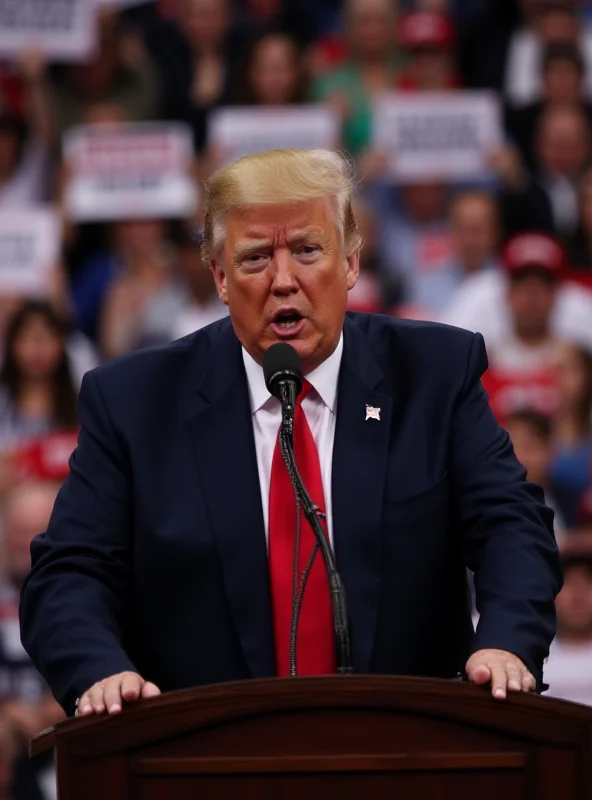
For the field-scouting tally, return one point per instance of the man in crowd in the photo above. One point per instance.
(26, 705)
(170, 557)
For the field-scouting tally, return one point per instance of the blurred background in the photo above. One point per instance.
(470, 123)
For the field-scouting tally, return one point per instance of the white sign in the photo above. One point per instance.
(129, 171)
(439, 135)
(236, 132)
(64, 30)
(30, 245)
(123, 3)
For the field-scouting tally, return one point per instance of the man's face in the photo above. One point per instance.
(574, 603)
(531, 300)
(563, 145)
(284, 276)
(474, 229)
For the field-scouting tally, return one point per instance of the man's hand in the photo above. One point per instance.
(109, 694)
(503, 670)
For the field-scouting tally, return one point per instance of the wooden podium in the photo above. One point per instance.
(312, 738)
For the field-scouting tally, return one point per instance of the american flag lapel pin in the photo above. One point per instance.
(372, 413)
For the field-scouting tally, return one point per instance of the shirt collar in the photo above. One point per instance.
(323, 379)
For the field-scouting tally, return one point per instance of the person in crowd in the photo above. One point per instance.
(37, 393)
(26, 705)
(130, 293)
(562, 149)
(199, 57)
(571, 466)
(27, 139)
(482, 303)
(368, 293)
(548, 22)
(274, 74)
(569, 667)
(200, 302)
(122, 74)
(531, 434)
(580, 244)
(373, 65)
(427, 37)
(563, 87)
(583, 523)
(415, 242)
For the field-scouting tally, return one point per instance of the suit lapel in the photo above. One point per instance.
(225, 449)
(359, 467)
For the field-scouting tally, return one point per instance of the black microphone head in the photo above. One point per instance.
(281, 363)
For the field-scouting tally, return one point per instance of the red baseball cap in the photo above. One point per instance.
(426, 29)
(534, 250)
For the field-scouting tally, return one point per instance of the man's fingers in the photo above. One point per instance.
(499, 681)
(528, 682)
(514, 676)
(150, 690)
(97, 698)
(84, 706)
(480, 674)
(131, 687)
(113, 700)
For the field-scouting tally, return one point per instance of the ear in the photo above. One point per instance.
(220, 279)
(352, 269)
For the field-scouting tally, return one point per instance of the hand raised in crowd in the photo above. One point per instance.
(507, 164)
(109, 694)
(503, 670)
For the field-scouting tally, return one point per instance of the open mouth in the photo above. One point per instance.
(287, 320)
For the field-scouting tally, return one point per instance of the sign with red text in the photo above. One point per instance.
(430, 136)
(64, 30)
(516, 390)
(129, 171)
(30, 245)
(235, 132)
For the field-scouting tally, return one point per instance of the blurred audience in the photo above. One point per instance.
(571, 467)
(568, 670)
(37, 393)
(274, 73)
(373, 65)
(580, 243)
(427, 37)
(531, 434)
(26, 705)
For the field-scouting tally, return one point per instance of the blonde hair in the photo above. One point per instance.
(281, 177)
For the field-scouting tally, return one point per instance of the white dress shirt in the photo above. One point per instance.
(319, 406)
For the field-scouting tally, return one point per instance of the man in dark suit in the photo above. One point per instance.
(171, 547)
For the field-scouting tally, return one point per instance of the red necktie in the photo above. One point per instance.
(315, 652)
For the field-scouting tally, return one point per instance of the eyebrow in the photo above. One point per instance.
(247, 246)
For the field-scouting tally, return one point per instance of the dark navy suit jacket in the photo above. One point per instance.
(155, 558)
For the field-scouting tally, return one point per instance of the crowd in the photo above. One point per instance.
(508, 254)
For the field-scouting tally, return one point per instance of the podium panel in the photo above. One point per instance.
(313, 738)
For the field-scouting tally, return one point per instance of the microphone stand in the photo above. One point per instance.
(311, 511)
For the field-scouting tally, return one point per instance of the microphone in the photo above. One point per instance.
(283, 377)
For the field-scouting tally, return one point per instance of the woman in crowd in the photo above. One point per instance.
(571, 466)
(372, 66)
(37, 393)
(274, 73)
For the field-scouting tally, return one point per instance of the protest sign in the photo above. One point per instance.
(64, 30)
(236, 132)
(437, 135)
(136, 170)
(30, 245)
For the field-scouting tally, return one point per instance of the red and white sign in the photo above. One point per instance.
(136, 170)
(45, 458)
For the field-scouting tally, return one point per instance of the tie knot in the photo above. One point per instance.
(306, 387)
